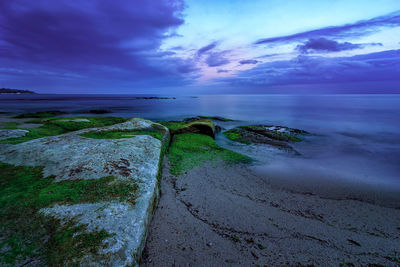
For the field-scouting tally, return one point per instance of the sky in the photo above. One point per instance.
(200, 47)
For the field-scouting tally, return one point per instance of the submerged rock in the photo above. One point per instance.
(279, 136)
(74, 157)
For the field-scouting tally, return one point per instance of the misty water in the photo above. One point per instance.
(355, 141)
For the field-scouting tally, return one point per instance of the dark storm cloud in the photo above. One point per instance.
(91, 39)
(374, 67)
(357, 29)
(216, 59)
(206, 48)
(248, 61)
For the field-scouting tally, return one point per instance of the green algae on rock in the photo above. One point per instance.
(278, 136)
(114, 229)
(201, 126)
(216, 118)
(24, 191)
(60, 125)
(190, 149)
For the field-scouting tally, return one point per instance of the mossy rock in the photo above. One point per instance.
(189, 150)
(56, 126)
(191, 125)
(24, 191)
(216, 118)
(205, 127)
(85, 185)
(279, 136)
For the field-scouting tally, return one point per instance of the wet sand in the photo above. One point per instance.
(218, 215)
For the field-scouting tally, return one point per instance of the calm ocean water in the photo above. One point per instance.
(353, 113)
(357, 137)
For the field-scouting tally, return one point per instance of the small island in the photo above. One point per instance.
(6, 91)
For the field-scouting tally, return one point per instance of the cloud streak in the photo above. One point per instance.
(206, 48)
(248, 61)
(360, 28)
(325, 45)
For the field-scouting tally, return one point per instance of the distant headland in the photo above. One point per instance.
(4, 91)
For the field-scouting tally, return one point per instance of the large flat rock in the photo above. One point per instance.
(71, 156)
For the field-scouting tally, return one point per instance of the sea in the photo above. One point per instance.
(354, 141)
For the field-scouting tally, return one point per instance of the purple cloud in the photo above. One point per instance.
(325, 45)
(374, 67)
(95, 40)
(206, 48)
(217, 59)
(357, 29)
(248, 61)
(185, 66)
(269, 55)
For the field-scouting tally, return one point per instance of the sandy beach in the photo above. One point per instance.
(219, 215)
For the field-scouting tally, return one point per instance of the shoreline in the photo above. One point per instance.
(227, 215)
(337, 188)
(312, 171)
(214, 210)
